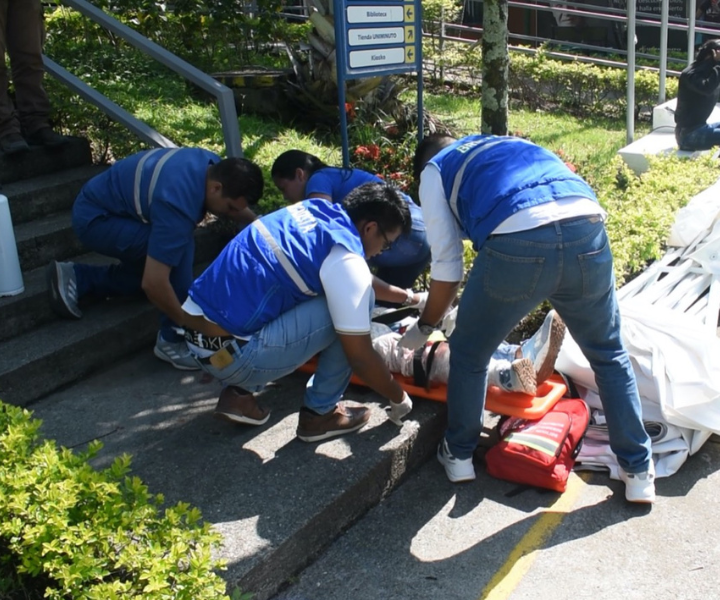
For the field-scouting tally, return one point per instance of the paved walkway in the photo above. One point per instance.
(330, 509)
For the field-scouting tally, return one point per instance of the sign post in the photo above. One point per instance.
(375, 38)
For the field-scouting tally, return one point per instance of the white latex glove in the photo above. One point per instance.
(422, 300)
(448, 323)
(413, 338)
(396, 412)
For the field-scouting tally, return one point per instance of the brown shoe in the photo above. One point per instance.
(237, 406)
(339, 421)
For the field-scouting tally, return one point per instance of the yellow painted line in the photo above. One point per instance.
(523, 555)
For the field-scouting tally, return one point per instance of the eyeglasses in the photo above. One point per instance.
(387, 244)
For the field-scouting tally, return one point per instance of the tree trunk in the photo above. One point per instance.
(495, 68)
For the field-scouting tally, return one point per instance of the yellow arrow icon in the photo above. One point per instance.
(409, 34)
(409, 14)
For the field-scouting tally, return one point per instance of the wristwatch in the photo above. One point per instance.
(425, 329)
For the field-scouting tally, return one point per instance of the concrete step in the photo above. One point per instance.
(61, 352)
(47, 238)
(40, 161)
(40, 353)
(35, 198)
(278, 502)
(22, 313)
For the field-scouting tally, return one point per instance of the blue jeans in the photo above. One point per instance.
(701, 138)
(127, 240)
(570, 264)
(407, 258)
(282, 346)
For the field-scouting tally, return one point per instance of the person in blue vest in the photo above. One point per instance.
(299, 175)
(292, 285)
(540, 235)
(143, 210)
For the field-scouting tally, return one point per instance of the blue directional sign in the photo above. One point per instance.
(376, 38)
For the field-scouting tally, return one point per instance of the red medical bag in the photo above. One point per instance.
(540, 452)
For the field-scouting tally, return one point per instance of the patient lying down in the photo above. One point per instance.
(514, 368)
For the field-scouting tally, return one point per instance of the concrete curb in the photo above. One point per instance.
(278, 502)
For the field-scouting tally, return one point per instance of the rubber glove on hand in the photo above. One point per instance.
(397, 411)
(413, 338)
(447, 325)
(421, 301)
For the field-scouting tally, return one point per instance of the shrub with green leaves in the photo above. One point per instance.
(68, 531)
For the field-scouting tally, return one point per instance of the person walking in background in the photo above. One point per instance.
(143, 210)
(698, 92)
(540, 235)
(27, 122)
(300, 175)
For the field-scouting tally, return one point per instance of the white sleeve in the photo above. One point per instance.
(347, 282)
(443, 232)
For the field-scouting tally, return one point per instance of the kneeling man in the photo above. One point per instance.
(292, 285)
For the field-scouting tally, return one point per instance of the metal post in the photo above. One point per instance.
(664, 15)
(630, 116)
(691, 33)
(340, 65)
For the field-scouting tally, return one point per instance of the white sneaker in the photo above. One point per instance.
(639, 487)
(457, 469)
(175, 353)
(543, 347)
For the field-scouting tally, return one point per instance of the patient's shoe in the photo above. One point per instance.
(515, 376)
(543, 347)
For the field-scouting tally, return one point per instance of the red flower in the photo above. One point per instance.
(571, 166)
(350, 110)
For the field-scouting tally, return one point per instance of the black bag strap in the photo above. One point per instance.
(421, 377)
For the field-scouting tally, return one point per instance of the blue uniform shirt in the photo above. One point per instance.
(163, 187)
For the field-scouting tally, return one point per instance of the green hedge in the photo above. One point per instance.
(68, 531)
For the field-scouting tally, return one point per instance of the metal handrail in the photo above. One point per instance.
(223, 94)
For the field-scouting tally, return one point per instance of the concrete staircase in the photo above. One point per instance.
(40, 353)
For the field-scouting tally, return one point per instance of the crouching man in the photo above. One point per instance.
(292, 285)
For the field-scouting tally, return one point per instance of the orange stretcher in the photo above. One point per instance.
(513, 404)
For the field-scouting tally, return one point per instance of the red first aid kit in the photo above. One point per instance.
(540, 452)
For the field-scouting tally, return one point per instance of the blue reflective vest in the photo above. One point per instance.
(273, 265)
(501, 176)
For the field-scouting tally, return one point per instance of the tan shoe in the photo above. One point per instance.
(238, 407)
(339, 421)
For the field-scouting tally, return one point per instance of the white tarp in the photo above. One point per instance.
(675, 359)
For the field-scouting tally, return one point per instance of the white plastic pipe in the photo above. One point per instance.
(11, 281)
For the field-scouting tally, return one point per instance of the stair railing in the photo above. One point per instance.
(223, 94)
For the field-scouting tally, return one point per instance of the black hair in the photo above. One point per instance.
(288, 162)
(239, 177)
(427, 148)
(379, 202)
(706, 50)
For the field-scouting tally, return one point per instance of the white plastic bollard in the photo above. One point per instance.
(11, 281)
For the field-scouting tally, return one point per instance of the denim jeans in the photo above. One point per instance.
(701, 138)
(570, 264)
(127, 240)
(407, 258)
(282, 346)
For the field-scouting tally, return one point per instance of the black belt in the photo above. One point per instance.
(217, 343)
(207, 342)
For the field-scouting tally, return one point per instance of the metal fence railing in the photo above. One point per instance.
(222, 93)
